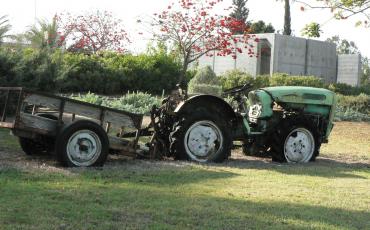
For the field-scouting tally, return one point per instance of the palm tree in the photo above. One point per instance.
(4, 27)
(44, 34)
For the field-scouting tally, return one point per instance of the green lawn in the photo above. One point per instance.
(245, 193)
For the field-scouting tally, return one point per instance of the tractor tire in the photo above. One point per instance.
(42, 145)
(295, 141)
(82, 144)
(201, 136)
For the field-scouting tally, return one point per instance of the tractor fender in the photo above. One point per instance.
(210, 102)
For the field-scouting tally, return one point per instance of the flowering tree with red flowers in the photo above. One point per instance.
(195, 30)
(93, 32)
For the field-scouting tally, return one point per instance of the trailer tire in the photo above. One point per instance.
(41, 145)
(206, 126)
(32, 147)
(82, 144)
(288, 147)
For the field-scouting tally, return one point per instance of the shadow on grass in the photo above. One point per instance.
(330, 168)
(166, 176)
(101, 204)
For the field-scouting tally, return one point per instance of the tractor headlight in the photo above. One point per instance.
(255, 111)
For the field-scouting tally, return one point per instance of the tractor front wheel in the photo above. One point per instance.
(295, 142)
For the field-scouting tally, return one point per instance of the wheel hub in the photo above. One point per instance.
(299, 146)
(202, 140)
(84, 147)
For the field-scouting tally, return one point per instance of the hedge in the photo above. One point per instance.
(234, 78)
(106, 73)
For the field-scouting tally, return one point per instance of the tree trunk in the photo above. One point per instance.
(287, 19)
(182, 76)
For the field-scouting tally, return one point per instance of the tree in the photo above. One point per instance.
(192, 28)
(240, 13)
(4, 27)
(45, 35)
(94, 32)
(312, 30)
(260, 27)
(343, 9)
(287, 18)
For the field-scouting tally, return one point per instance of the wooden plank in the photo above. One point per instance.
(82, 110)
(119, 119)
(29, 121)
(52, 103)
(8, 125)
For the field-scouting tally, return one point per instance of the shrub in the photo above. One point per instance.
(286, 80)
(90, 98)
(353, 108)
(105, 73)
(235, 78)
(360, 103)
(205, 81)
(138, 102)
(345, 89)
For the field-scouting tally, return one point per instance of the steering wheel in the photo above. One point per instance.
(237, 89)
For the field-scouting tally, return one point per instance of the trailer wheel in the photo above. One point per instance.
(82, 144)
(295, 142)
(42, 145)
(202, 137)
(32, 147)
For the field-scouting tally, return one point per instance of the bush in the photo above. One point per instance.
(353, 108)
(205, 81)
(138, 102)
(286, 80)
(105, 73)
(89, 98)
(342, 88)
(234, 78)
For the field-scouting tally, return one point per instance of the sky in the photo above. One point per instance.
(22, 14)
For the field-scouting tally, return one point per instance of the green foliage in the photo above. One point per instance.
(89, 98)
(260, 27)
(235, 78)
(134, 102)
(287, 18)
(312, 30)
(4, 27)
(205, 81)
(137, 102)
(106, 73)
(44, 35)
(345, 89)
(344, 46)
(286, 80)
(360, 103)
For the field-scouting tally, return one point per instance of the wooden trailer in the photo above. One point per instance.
(80, 133)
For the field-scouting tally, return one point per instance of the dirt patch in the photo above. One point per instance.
(47, 163)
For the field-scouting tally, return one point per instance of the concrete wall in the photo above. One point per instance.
(349, 69)
(292, 55)
(243, 61)
(322, 60)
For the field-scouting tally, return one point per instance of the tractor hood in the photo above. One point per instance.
(301, 95)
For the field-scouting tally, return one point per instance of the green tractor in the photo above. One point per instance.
(288, 123)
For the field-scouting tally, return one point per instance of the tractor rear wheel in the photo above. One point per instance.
(201, 136)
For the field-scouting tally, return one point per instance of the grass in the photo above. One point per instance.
(246, 193)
